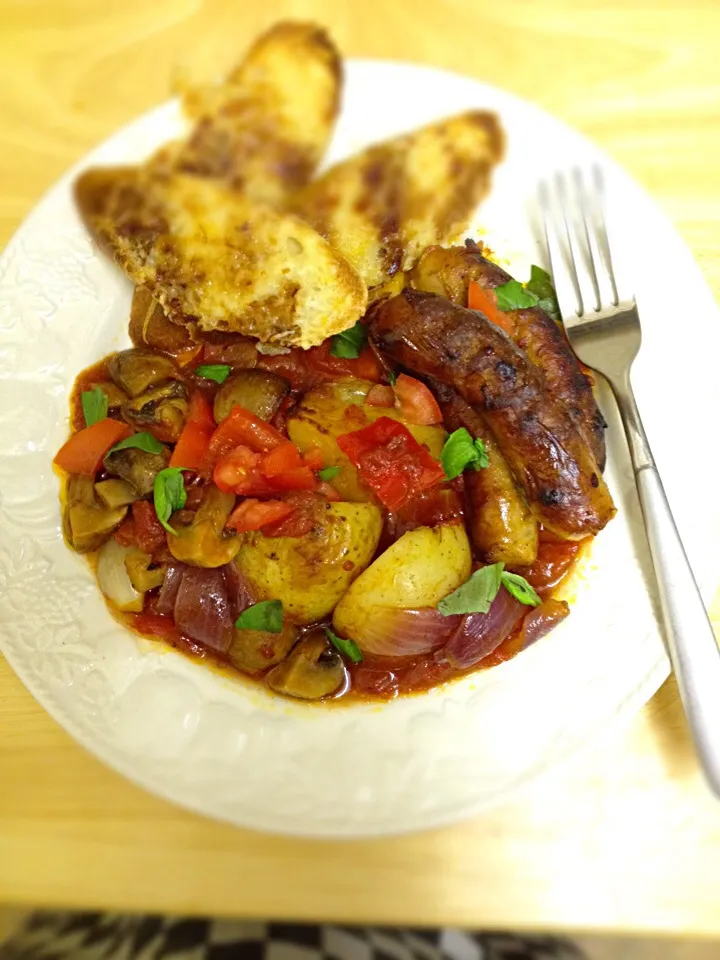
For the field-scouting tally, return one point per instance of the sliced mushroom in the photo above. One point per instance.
(312, 670)
(142, 575)
(137, 467)
(255, 390)
(87, 524)
(115, 396)
(138, 369)
(256, 650)
(204, 542)
(115, 493)
(163, 408)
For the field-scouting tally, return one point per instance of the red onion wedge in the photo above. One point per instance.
(392, 632)
(541, 620)
(481, 633)
(165, 604)
(202, 608)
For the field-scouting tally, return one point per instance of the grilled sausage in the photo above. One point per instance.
(502, 526)
(553, 463)
(448, 272)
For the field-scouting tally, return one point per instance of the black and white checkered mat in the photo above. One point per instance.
(109, 936)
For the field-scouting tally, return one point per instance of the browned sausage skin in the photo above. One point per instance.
(502, 526)
(551, 460)
(449, 271)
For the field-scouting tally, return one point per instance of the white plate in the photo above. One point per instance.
(227, 749)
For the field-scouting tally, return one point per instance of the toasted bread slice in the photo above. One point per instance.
(384, 206)
(265, 129)
(211, 257)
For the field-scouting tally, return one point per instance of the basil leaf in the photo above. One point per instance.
(169, 494)
(391, 377)
(266, 615)
(519, 588)
(139, 441)
(219, 372)
(327, 473)
(348, 648)
(349, 343)
(461, 451)
(94, 405)
(541, 285)
(513, 296)
(476, 594)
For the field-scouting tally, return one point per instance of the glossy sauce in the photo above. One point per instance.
(376, 677)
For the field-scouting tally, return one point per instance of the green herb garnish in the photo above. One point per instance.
(391, 377)
(519, 588)
(327, 473)
(541, 285)
(169, 494)
(349, 343)
(139, 441)
(266, 615)
(476, 594)
(348, 648)
(219, 372)
(461, 451)
(513, 296)
(94, 405)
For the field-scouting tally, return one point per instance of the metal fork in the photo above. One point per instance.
(603, 326)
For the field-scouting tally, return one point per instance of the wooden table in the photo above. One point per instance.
(625, 838)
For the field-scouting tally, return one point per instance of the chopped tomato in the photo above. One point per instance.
(84, 451)
(381, 396)
(149, 532)
(314, 458)
(432, 508)
(328, 491)
(307, 509)
(484, 300)
(255, 514)
(241, 427)
(141, 529)
(239, 472)
(200, 410)
(282, 459)
(192, 446)
(391, 461)
(415, 401)
(301, 478)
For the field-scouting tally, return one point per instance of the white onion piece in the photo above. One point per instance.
(393, 632)
(114, 580)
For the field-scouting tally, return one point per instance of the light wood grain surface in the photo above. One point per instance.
(623, 839)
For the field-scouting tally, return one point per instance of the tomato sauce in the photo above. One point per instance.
(376, 677)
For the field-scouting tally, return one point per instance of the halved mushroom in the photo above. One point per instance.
(115, 493)
(115, 396)
(142, 575)
(256, 650)
(137, 467)
(313, 669)
(255, 390)
(138, 369)
(87, 524)
(204, 542)
(163, 408)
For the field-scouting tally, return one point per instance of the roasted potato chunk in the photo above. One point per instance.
(310, 574)
(418, 570)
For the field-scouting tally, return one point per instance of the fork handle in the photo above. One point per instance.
(692, 645)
